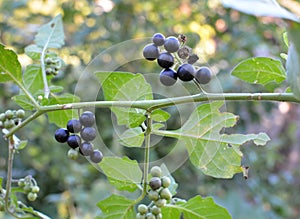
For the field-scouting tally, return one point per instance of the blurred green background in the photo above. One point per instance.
(221, 37)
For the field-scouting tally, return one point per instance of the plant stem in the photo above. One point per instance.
(9, 172)
(46, 87)
(147, 152)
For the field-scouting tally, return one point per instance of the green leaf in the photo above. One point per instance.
(269, 8)
(33, 79)
(51, 35)
(10, 68)
(157, 126)
(61, 117)
(293, 60)
(123, 173)
(196, 208)
(24, 102)
(215, 154)
(117, 207)
(21, 145)
(260, 70)
(1, 183)
(33, 51)
(160, 115)
(126, 86)
(133, 137)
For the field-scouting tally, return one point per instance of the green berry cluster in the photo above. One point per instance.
(159, 194)
(165, 57)
(30, 187)
(11, 118)
(53, 65)
(78, 134)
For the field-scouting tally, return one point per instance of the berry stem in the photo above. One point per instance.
(11, 148)
(199, 86)
(147, 152)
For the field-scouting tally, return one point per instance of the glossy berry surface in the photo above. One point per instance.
(186, 72)
(74, 126)
(155, 171)
(143, 209)
(20, 113)
(160, 203)
(87, 119)
(96, 156)
(165, 193)
(165, 60)
(86, 148)
(203, 75)
(31, 196)
(74, 141)
(155, 183)
(150, 52)
(88, 133)
(171, 44)
(165, 181)
(168, 77)
(158, 39)
(61, 135)
(153, 195)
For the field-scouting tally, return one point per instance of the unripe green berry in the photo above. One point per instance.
(73, 154)
(160, 203)
(143, 209)
(155, 210)
(9, 114)
(1, 125)
(153, 195)
(35, 189)
(155, 171)
(8, 124)
(31, 196)
(2, 117)
(150, 216)
(2, 205)
(165, 181)
(159, 216)
(21, 182)
(165, 193)
(140, 216)
(27, 188)
(20, 113)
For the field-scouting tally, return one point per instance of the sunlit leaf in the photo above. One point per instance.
(160, 115)
(127, 86)
(10, 68)
(33, 51)
(32, 78)
(116, 207)
(23, 101)
(133, 137)
(260, 70)
(213, 153)
(196, 208)
(268, 8)
(123, 173)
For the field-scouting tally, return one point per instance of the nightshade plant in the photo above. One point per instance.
(130, 98)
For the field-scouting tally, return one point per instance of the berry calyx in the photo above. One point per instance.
(155, 171)
(86, 148)
(88, 133)
(165, 181)
(31, 196)
(87, 119)
(74, 126)
(74, 141)
(155, 183)
(168, 77)
(186, 72)
(61, 135)
(143, 209)
(96, 156)
(165, 60)
(171, 44)
(150, 52)
(158, 39)
(203, 75)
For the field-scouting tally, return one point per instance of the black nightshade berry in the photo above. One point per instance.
(171, 44)
(158, 39)
(186, 72)
(74, 141)
(155, 183)
(86, 148)
(61, 135)
(88, 133)
(87, 119)
(96, 156)
(74, 126)
(165, 60)
(203, 75)
(168, 77)
(150, 52)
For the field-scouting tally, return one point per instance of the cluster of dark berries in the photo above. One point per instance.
(53, 65)
(11, 118)
(159, 194)
(78, 135)
(165, 59)
(29, 186)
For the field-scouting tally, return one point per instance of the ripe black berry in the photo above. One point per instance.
(74, 141)
(86, 148)
(158, 39)
(74, 126)
(168, 77)
(87, 119)
(96, 156)
(88, 133)
(61, 135)
(186, 72)
(165, 60)
(155, 183)
(150, 52)
(203, 75)
(171, 44)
